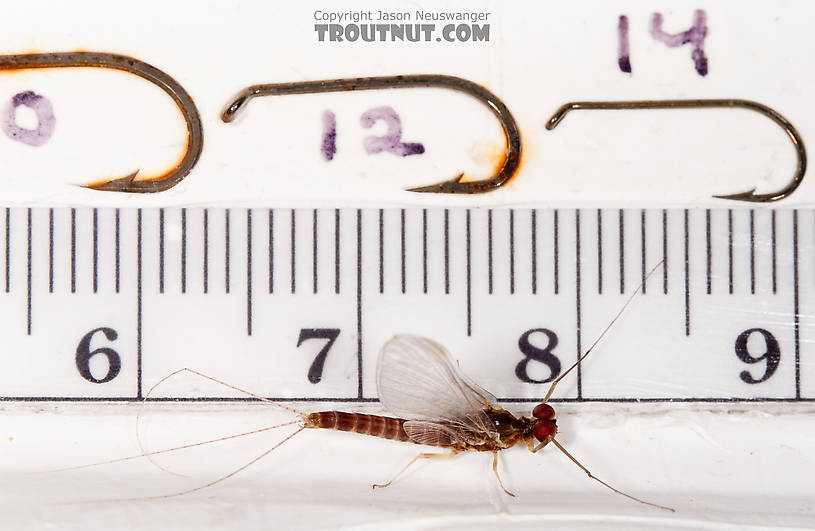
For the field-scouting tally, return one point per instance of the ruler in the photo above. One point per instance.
(100, 304)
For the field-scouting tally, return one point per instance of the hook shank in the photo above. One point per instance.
(145, 71)
(512, 153)
(770, 113)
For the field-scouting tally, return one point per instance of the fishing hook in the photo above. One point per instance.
(150, 73)
(772, 114)
(512, 152)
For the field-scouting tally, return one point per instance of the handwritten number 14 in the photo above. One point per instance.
(693, 36)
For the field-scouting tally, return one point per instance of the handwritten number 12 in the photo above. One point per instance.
(390, 142)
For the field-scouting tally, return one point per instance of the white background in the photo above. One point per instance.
(539, 57)
(752, 466)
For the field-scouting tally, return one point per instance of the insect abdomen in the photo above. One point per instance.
(374, 425)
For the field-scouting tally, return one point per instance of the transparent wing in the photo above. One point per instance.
(418, 380)
(432, 433)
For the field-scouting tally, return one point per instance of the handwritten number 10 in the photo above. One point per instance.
(390, 142)
(45, 119)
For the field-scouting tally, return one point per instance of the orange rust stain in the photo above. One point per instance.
(160, 176)
(494, 155)
(30, 51)
(17, 71)
(26, 51)
(528, 155)
(497, 155)
(487, 154)
(511, 181)
(97, 184)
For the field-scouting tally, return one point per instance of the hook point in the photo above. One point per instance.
(748, 195)
(122, 184)
(445, 187)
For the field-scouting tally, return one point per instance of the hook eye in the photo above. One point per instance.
(512, 152)
(770, 113)
(152, 74)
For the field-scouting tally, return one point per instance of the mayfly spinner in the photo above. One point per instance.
(436, 405)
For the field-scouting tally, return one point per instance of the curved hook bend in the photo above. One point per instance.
(770, 113)
(512, 153)
(152, 74)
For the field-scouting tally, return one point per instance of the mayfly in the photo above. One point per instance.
(435, 405)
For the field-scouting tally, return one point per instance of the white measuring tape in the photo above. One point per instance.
(99, 304)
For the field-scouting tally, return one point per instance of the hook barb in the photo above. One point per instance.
(770, 113)
(146, 71)
(512, 152)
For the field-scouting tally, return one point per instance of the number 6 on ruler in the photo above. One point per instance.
(84, 355)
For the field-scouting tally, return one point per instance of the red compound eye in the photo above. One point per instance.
(543, 411)
(544, 430)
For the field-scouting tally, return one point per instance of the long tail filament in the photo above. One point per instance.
(150, 391)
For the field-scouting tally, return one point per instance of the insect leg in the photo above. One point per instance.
(495, 471)
(586, 470)
(420, 456)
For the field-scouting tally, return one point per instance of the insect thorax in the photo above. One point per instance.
(511, 429)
